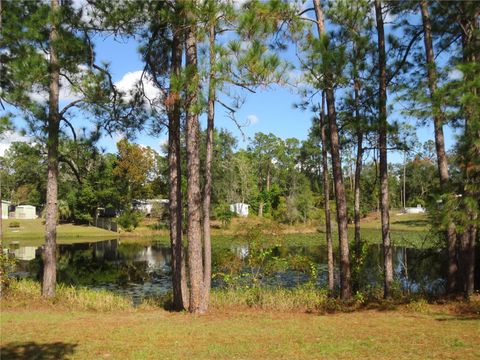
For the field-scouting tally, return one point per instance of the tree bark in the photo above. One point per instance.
(382, 143)
(194, 200)
(358, 166)
(341, 201)
(470, 258)
(471, 154)
(326, 192)
(50, 265)
(442, 163)
(207, 191)
(179, 280)
(1, 198)
(358, 172)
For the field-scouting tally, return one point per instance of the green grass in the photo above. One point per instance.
(72, 329)
(406, 230)
(32, 232)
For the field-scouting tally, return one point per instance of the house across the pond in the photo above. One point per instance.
(145, 206)
(241, 209)
(25, 212)
(5, 208)
(415, 210)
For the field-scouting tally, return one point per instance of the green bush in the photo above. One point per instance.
(14, 224)
(223, 213)
(7, 264)
(129, 220)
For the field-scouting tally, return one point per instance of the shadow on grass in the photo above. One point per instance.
(411, 222)
(458, 318)
(32, 350)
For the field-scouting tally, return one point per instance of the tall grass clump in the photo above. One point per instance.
(302, 298)
(26, 290)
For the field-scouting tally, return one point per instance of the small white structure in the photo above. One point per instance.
(25, 212)
(5, 206)
(415, 210)
(146, 206)
(240, 209)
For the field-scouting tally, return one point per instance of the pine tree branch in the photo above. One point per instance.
(69, 124)
(71, 165)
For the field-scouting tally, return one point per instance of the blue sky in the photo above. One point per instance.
(268, 110)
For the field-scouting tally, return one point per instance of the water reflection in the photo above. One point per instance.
(139, 270)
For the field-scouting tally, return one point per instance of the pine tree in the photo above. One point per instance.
(340, 198)
(382, 143)
(41, 45)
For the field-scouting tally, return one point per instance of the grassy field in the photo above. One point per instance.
(406, 230)
(398, 222)
(34, 230)
(32, 330)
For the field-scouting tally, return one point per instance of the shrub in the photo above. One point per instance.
(129, 220)
(14, 224)
(7, 264)
(223, 213)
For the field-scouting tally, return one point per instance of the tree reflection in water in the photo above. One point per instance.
(140, 270)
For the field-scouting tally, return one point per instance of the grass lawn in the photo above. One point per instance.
(56, 333)
(32, 231)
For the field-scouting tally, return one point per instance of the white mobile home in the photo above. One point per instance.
(5, 206)
(415, 210)
(25, 212)
(240, 209)
(145, 206)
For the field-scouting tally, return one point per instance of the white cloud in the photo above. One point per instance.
(455, 74)
(117, 136)
(86, 9)
(10, 137)
(131, 80)
(163, 145)
(252, 119)
(66, 93)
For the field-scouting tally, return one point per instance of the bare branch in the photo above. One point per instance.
(69, 124)
(71, 165)
(69, 106)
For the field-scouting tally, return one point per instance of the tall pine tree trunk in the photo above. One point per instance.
(194, 199)
(179, 280)
(358, 169)
(470, 286)
(382, 143)
(207, 191)
(50, 265)
(471, 152)
(357, 215)
(341, 201)
(438, 120)
(1, 198)
(326, 193)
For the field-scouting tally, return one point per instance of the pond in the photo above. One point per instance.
(143, 270)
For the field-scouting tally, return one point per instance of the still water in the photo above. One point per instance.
(143, 270)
